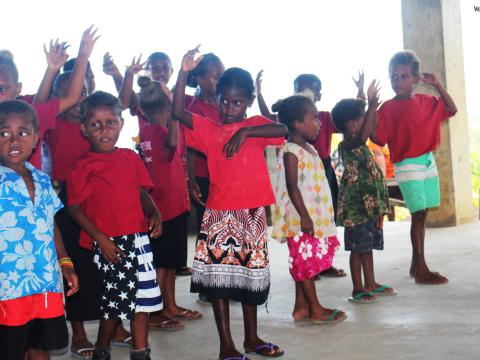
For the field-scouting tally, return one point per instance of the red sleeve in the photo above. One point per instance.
(381, 129)
(78, 188)
(441, 112)
(47, 114)
(202, 133)
(141, 171)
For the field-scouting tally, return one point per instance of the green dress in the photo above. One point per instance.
(363, 194)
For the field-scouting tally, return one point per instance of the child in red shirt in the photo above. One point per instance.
(231, 258)
(410, 123)
(107, 198)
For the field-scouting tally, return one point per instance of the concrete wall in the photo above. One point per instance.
(432, 28)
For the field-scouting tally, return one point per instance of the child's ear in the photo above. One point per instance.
(250, 103)
(18, 89)
(416, 79)
(83, 129)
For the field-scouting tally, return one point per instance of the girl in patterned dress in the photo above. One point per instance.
(363, 196)
(231, 258)
(304, 213)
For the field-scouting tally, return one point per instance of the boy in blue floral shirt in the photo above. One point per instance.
(32, 318)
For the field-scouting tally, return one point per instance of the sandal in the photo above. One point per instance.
(330, 319)
(127, 342)
(380, 291)
(266, 350)
(243, 357)
(81, 353)
(363, 297)
(167, 325)
(188, 314)
(332, 271)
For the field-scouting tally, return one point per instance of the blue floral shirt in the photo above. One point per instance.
(28, 259)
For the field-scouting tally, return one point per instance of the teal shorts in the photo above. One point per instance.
(418, 181)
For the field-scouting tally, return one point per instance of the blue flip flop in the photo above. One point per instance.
(266, 350)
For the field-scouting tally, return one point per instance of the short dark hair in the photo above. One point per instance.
(59, 80)
(305, 79)
(158, 56)
(236, 78)
(12, 108)
(96, 100)
(151, 96)
(202, 68)
(292, 109)
(406, 57)
(8, 67)
(347, 110)
(68, 66)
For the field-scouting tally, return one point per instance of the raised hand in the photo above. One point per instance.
(136, 66)
(360, 82)
(373, 93)
(56, 54)
(430, 79)
(109, 66)
(88, 42)
(189, 62)
(258, 81)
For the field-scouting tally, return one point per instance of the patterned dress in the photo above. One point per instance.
(309, 255)
(363, 194)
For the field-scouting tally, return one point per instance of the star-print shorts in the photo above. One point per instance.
(129, 286)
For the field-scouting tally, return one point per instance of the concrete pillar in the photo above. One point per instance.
(432, 28)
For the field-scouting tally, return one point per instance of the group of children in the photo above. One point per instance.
(125, 228)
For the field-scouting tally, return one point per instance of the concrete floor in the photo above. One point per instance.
(422, 322)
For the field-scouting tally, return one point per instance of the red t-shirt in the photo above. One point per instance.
(167, 172)
(107, 187)
(242, 182)
(323, 144)
(27, 98)
(210, 111)
(67, 143)
(47, 115)
(411, 127)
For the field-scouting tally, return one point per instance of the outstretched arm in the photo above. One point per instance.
(125, 93)
(359, 83)
(178, 107)
(56, 58)
(431, 79)
(233, 145)
(290, 162)
(369, 120)
(262, 105)
(76, 83)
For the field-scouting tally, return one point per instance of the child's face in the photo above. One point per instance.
(160, 70)
(73, 114)
(9, 90)
(403, 80)
(102, 129)
(353, 126)
(232, 105)
(208, 81)
(17, 141)
(90, 79)
(310, 126)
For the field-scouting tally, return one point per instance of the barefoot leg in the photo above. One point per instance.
(300, 310)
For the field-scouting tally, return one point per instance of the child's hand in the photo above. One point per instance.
(232, 147)
(306, 225)
(258, 81)
(110, 251)
(195, 192)
(88, 42)
(430, 79)
(189, 62)
(167, 91)
(72, 280)
(136, 66)
(56, 55)
(155, 225)
(109, 66)
(361, 80)
(372, 94)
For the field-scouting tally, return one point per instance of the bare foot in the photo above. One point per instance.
(430, 278)
(262, 348)
(82, 348)
(378, 289)
(300, 315)
(326, 315)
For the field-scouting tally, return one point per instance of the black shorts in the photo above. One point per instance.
(363, 238)
(40, 334)
(170, 249)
